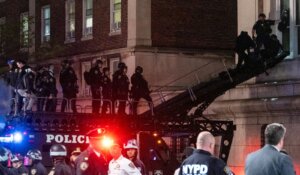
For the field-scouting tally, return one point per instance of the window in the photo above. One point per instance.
(24, 30)
(291, 36)
(70, 20)
(87, 18)
(2, 41)
(46, 23)
(115, 16)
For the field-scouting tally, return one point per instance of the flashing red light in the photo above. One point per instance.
(155, 134)
(159, 142)
(107, 142)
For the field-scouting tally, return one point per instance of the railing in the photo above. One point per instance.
(192, 78)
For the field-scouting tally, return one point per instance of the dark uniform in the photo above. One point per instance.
(202, 162)
(68, 81)
(263, 30)
(242, 48)
(61, 168)
(19, 85)
(38, 169)
(22, 170)
(41, 88)
(89, 163)
(106, 91)
(96, 76)
(51, 87)
(139, 89)
(11, 79)
(121, 89)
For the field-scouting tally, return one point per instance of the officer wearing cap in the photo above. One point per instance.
(120, 165)
(58, 153)
(202, 160)
(131, 153)
(35, 164)
(18, 166)
(68, 81)
(92, 161)
(51, 84)
(139, 89)
(121, 87)
(96, 76)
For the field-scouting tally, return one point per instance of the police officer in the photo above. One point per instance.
(261, 31)
(131, 153)
(242, 47)
(120, 165)
(58, 153)
(18, 166)
(139, 89)
(96, 77)
(92, 161)
(51, 84)
(68, 81)
(26, 89)
(121, 87)
(36, 166)
(106, 90)
(202, 160)
(21, 64)
(11, 78)
(41, 87)
(4, 158)
(73, 158)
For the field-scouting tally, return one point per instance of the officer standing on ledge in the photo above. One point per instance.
(202, 160)
(106, 90)
(95, 77)
(92, 161)
(11, 78)
(58, 153)
(68, 81)
(36, 166)
(51, 101)
(121, 87)
(139, 89)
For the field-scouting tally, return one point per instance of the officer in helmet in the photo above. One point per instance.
(58, 153)
(120, 87)
(139, 89)
(120, 165)
(4, 156)
(18, 166)
(36, 166)
(131, 152)
(92, 161)
(96, 77)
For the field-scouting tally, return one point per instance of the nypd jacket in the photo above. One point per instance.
(203, 163)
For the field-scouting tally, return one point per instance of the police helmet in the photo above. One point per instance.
(99, 62)
(58, 150)
(17, 158)
(131, 144)
(20, 60)
(139, 69)
(262, 15)
(96, 133)
(121, 65)
(35, 154)
(4, 154)
(65, 62)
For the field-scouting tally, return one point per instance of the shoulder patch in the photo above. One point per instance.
(227, 170)
(84, 166)
(131, 165)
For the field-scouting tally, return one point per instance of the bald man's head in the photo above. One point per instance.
(206, 141)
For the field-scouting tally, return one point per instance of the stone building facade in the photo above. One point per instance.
(265, 99)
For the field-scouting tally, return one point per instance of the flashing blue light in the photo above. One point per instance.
(17, 137)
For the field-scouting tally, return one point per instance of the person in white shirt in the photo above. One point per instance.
(120, 165)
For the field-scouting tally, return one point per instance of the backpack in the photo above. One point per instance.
(87, 77)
